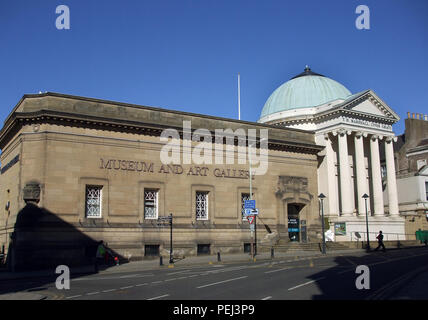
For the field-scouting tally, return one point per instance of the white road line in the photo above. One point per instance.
(192, 276)
(306, 283)
(141, 284)
(171, 279)
(170, 274)
(123, 288)
(157, 282)
(71, 297)
(110, 290)
(181, 278)
(267, 298)
(278, 270)
(213, 284)
(92, 293)
(165, 295)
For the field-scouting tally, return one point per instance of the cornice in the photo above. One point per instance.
(17, 120)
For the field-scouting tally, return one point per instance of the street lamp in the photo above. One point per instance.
(365, 197)
(322, 197)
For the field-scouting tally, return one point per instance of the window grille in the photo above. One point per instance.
(150, 204)
(244, 197)
(93, 201)
(201, 205)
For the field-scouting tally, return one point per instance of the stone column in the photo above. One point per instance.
(347, 199)
(360, 171)
(390, 176)
(376, 176)
(333, 203)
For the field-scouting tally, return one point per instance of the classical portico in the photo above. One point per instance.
(354, 129)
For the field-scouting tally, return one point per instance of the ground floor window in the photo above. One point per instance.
(151, 250)
(244, 197)
(201, 205)
(204, 248)
(150, 204)
(93, 201)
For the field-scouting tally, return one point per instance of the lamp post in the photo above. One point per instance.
(365, 197)
(322, 197)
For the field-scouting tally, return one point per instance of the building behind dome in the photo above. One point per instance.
(353, 128)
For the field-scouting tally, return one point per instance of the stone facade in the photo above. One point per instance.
(411, 154)
(54, 146)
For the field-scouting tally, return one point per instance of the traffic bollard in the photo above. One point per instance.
(272, 253)
(160, 261)
(218, 257)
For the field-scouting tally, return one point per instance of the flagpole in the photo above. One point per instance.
(239, 96)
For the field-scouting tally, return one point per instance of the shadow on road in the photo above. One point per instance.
(339, 281)
(43, 241)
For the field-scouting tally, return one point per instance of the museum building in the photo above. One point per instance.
(77, 170)
(355, 129)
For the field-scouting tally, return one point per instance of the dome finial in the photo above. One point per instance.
(307, 68)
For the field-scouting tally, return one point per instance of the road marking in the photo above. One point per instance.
(267, 298)
(157, 282)
(123, 288)
(170, 274)
(224, 281)
(165, 295)
(141, 284)
(92, 293)
(306, 283)
(192, 276)
(109, 290)
(278, 270)
(181, 278)
(71, 297)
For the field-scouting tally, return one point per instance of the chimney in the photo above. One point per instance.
(426, 117)
(417, 116)
(413, 115)
(408, 114)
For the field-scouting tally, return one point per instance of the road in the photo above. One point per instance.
(327, 277)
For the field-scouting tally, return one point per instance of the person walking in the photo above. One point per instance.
(380, 242)
(99, 256)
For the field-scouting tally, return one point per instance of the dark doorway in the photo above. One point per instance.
(294, 231)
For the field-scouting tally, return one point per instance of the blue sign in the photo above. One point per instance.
(249, 212)
(249, 204)
(293, 229)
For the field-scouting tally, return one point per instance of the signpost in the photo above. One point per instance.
(168, 219)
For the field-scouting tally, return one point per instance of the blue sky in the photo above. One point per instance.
(185, 55)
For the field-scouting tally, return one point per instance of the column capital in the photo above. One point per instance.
(376, 137)
(360, 134)
(391, 139)
(343, 132)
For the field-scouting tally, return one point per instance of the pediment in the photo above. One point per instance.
(370, 104)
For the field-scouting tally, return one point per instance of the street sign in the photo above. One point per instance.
(250, 219)
(249, 204)
(252, 228)
(249, 212)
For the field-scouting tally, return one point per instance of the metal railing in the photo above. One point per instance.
(386, 236)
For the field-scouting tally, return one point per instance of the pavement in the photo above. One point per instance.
(418, 280)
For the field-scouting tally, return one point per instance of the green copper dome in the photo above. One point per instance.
(308, 89)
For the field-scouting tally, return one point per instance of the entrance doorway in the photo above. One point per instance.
(294, 232)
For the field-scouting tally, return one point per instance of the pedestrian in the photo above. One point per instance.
(380, 241)
(99, 256)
